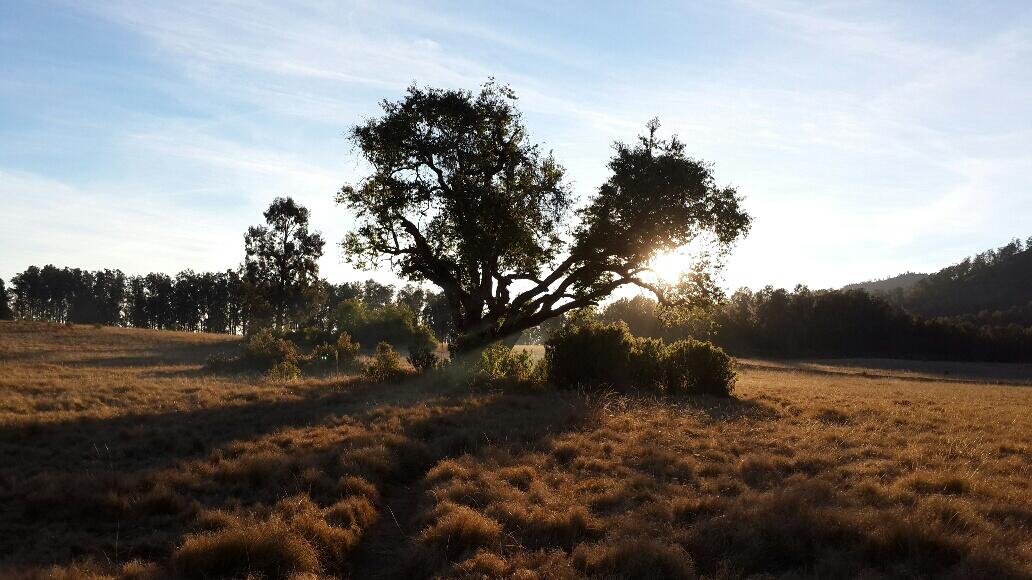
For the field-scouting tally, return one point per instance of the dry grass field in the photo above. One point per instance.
(121, 457)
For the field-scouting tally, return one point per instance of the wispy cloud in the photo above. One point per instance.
(848, 124)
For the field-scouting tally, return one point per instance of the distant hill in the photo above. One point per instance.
(992, 288)
(994, 281)
(888, 285)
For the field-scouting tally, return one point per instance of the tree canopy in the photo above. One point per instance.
(460, 197)
(281, 267)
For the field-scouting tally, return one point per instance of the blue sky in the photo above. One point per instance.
(869, 138)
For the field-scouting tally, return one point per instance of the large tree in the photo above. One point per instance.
(458, 196)
(281, 266)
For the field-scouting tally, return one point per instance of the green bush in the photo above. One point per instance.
(265, 350)
(646, 363)
(386, 365)
(341, 353)
(423, 350)
(500, 365)
(284, 371)
(695, 366)
(394, 323)
(589, 354)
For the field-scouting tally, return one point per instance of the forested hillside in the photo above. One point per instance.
(891, 285)
(994, 287)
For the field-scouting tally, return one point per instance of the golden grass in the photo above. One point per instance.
(121, 457)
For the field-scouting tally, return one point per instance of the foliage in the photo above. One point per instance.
(589, 354)
(459, 197)
(342, 351)
(284, 371)
(69, 295)
(5, 308)
(647, 363)
(803, 322)
(386, 365)
(423, 350)
(592, 354)
(694, 366)
(393, 323)
(265, 350)
(993, 281)
(500, 365)
(281, 266)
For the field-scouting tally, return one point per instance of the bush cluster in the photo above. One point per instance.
(590, 354)
(500, 365)
(341, 352)
(386, 365)
(281, 359)
(264, 350)
(423, 350)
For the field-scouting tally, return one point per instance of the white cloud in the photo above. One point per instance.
(848, 178)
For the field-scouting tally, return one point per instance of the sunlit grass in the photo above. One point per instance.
(123, 458)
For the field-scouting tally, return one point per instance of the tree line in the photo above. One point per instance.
(276, 286)
(216, 302)
(826, 323)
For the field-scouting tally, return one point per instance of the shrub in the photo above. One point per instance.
(500, 365)
(695, 366)
(589, 354)
(394, 323)
(220, 362)
(284, 371)
(343, 350)
(646, 363)
(387, 365)
(422, 350)
(265, 350)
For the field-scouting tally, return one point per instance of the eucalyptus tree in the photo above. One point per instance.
(460, 197)
(281, 267)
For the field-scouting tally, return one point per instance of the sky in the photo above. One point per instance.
(868, 138)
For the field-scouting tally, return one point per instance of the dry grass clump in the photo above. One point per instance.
(635, 558)
(121, 458)
(269, 549)
(458, 530)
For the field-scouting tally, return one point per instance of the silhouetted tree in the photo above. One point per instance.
(459, 197)
(160, 296)
(281, 264)
(377, 295)
(436, 314)
(5, 303)
(414, 297)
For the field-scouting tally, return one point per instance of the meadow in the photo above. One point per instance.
(122, 456)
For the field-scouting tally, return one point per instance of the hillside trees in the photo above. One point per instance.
(997, 280)
(281, 266)
(459, 197)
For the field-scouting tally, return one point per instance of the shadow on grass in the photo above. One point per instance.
(130, 486)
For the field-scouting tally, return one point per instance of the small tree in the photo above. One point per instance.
(281, 264)
(5, 306)
(459, 197)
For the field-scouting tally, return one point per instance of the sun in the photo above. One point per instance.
(668, 266)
